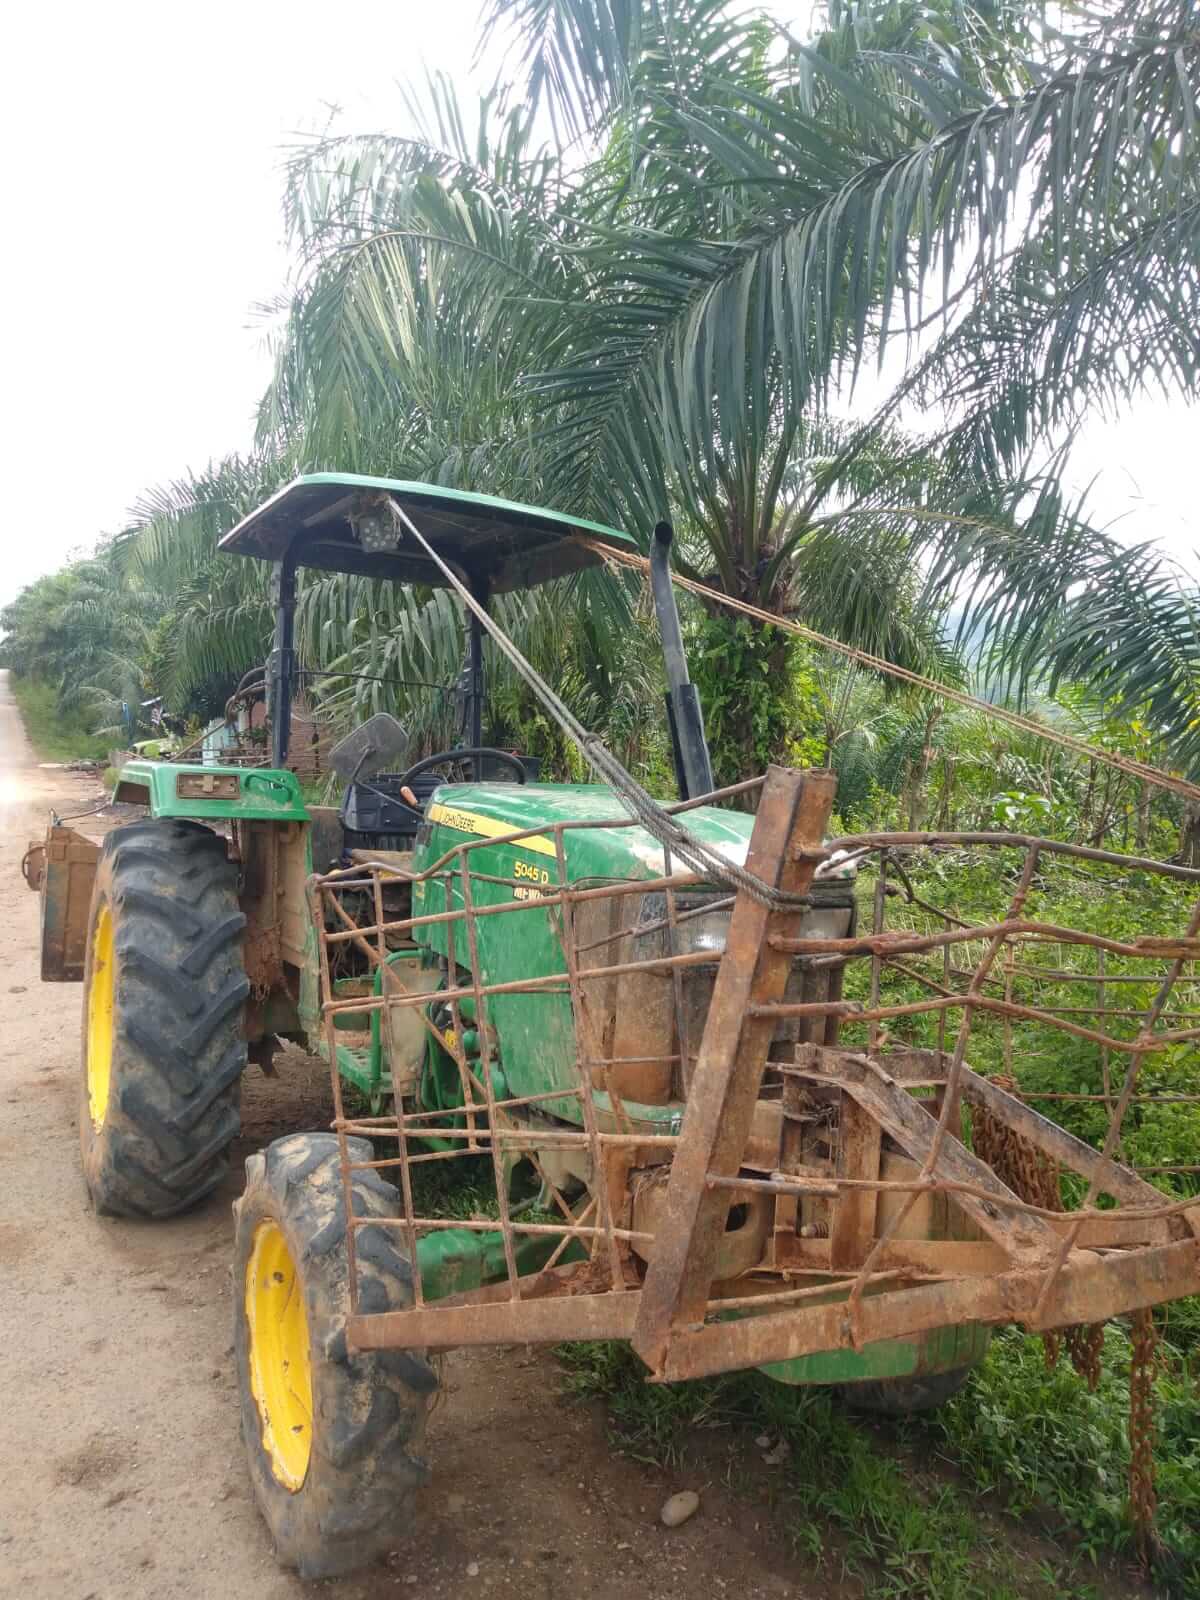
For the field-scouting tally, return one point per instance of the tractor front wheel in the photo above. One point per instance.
(163, 994)
(332, 1438)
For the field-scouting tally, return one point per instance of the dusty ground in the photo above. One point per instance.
(122, 1471)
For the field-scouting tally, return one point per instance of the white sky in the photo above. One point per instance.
(143, 223)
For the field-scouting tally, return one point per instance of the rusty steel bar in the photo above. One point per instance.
(1116, 1121)
(416, 1117)
(980, 1002)
(582, 1028)
(466, 1076)
(315, 902)
(551, 1138)
(1118, 1221)
(784, 851)
(406, 1193)
(485, 1062)
(878, 902)
(690, 958)
(1134, 1099)
(904, 1110)
(680, 880)
(1147, 948)
(549, 1321)
(1103, 1015)
(560, 1247)
(681, 1023)
(1016, 841)
(437, 1224)
(1090, 1291)
(706, 910)
(1066, 975)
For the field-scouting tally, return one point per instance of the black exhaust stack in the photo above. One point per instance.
(693, 769)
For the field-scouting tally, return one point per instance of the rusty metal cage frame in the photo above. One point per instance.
(1036, 1264)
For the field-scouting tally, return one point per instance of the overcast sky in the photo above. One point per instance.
(143, 148)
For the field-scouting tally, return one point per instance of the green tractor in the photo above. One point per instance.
(499, 969)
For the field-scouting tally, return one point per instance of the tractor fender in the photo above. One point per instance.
(197, 792)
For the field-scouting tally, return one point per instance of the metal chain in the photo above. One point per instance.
(1034, 1178)
(1085, 1346)
(1143, 1502)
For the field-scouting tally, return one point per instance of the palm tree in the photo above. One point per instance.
(658, 311)
(86, 632)
(481, 304)
(1034, 193)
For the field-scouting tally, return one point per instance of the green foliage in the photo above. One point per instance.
(1043, 1443)
(757, 694)
(55, 736)
(84, 631)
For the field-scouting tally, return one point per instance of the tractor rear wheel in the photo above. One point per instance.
(898, 1397)
(332, 1438)
(163, 994)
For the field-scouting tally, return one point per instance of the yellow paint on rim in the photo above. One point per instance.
(280, 1370)
(488, 828)
(101, 996)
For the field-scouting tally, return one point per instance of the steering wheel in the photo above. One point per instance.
(472, 753)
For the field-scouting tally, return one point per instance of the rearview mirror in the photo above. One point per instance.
(370, 748)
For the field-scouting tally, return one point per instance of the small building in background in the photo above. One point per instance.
(242, 739)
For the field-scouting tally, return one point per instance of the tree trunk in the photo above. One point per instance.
(1189, 834)
(1141, 837)
(918, 786)
(1104, 820)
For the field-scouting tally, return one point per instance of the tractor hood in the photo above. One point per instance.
(490, 810)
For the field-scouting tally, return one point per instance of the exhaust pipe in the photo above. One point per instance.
(693, 768)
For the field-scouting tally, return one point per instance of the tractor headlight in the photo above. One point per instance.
(694, 934)
(696, 927)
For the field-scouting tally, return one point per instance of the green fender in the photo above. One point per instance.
(203, 793)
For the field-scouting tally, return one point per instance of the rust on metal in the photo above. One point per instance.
(784, 852)
(65, 879)
(862, 1212)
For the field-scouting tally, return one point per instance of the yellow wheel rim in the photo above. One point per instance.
(280, 1374)
(101, 994)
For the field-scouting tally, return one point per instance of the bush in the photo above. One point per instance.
(54, 734)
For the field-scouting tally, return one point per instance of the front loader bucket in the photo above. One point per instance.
(63, 870)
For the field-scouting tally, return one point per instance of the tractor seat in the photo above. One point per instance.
(377, 820)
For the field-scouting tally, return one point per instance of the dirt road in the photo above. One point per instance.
(121, 1469)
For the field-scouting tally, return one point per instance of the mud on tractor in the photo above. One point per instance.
(632, 1017)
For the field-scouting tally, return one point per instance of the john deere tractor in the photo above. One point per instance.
(414, 935)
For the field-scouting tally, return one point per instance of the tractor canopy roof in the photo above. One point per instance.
(341, 522)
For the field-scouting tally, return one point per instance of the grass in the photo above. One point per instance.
(901, 1506)
(1049, 1447)
(55, 735)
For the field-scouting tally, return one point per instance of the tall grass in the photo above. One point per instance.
(54, 734)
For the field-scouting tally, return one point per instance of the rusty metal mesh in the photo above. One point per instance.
(852, 1273)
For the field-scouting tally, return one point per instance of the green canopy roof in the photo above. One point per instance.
(506, 545)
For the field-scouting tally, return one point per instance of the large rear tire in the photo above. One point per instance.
(332, 1439)
(163, 995)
